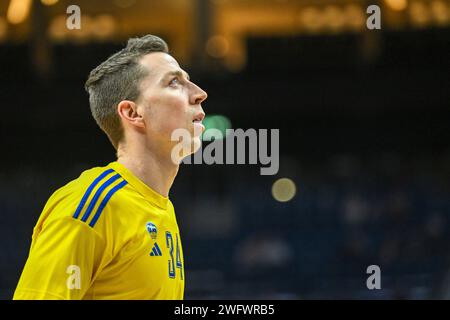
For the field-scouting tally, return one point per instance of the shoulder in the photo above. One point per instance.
(86, 197)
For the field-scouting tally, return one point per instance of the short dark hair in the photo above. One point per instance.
(118, 78)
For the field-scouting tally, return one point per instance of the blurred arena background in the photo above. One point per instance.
(363, 118)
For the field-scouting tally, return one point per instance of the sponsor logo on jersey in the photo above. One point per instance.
(151, 228)
(156, 251)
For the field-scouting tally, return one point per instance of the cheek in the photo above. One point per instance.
(168, 112)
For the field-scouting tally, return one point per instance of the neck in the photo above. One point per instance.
(156, 171)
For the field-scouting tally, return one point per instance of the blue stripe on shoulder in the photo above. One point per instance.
(97, 195)
(89, 191)
(105, 201)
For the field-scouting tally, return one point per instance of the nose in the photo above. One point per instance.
(199, 95)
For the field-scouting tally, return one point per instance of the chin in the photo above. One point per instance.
(185, 148)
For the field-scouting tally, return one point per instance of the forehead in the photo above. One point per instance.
(159, 63)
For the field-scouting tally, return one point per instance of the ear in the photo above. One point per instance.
(128, 111)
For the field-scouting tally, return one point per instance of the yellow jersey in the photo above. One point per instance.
(105, 235)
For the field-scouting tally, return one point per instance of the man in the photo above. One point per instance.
(112, 233)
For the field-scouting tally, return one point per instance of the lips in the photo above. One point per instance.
(198, 121)
(199, 117)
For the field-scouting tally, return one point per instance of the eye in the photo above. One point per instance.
(175, 81)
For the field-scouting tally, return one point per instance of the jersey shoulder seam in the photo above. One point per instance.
(70, 219)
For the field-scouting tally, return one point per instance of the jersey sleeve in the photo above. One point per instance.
(63, 261)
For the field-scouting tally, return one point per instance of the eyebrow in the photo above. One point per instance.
(177, 73)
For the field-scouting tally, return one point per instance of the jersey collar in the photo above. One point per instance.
(140, 186)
